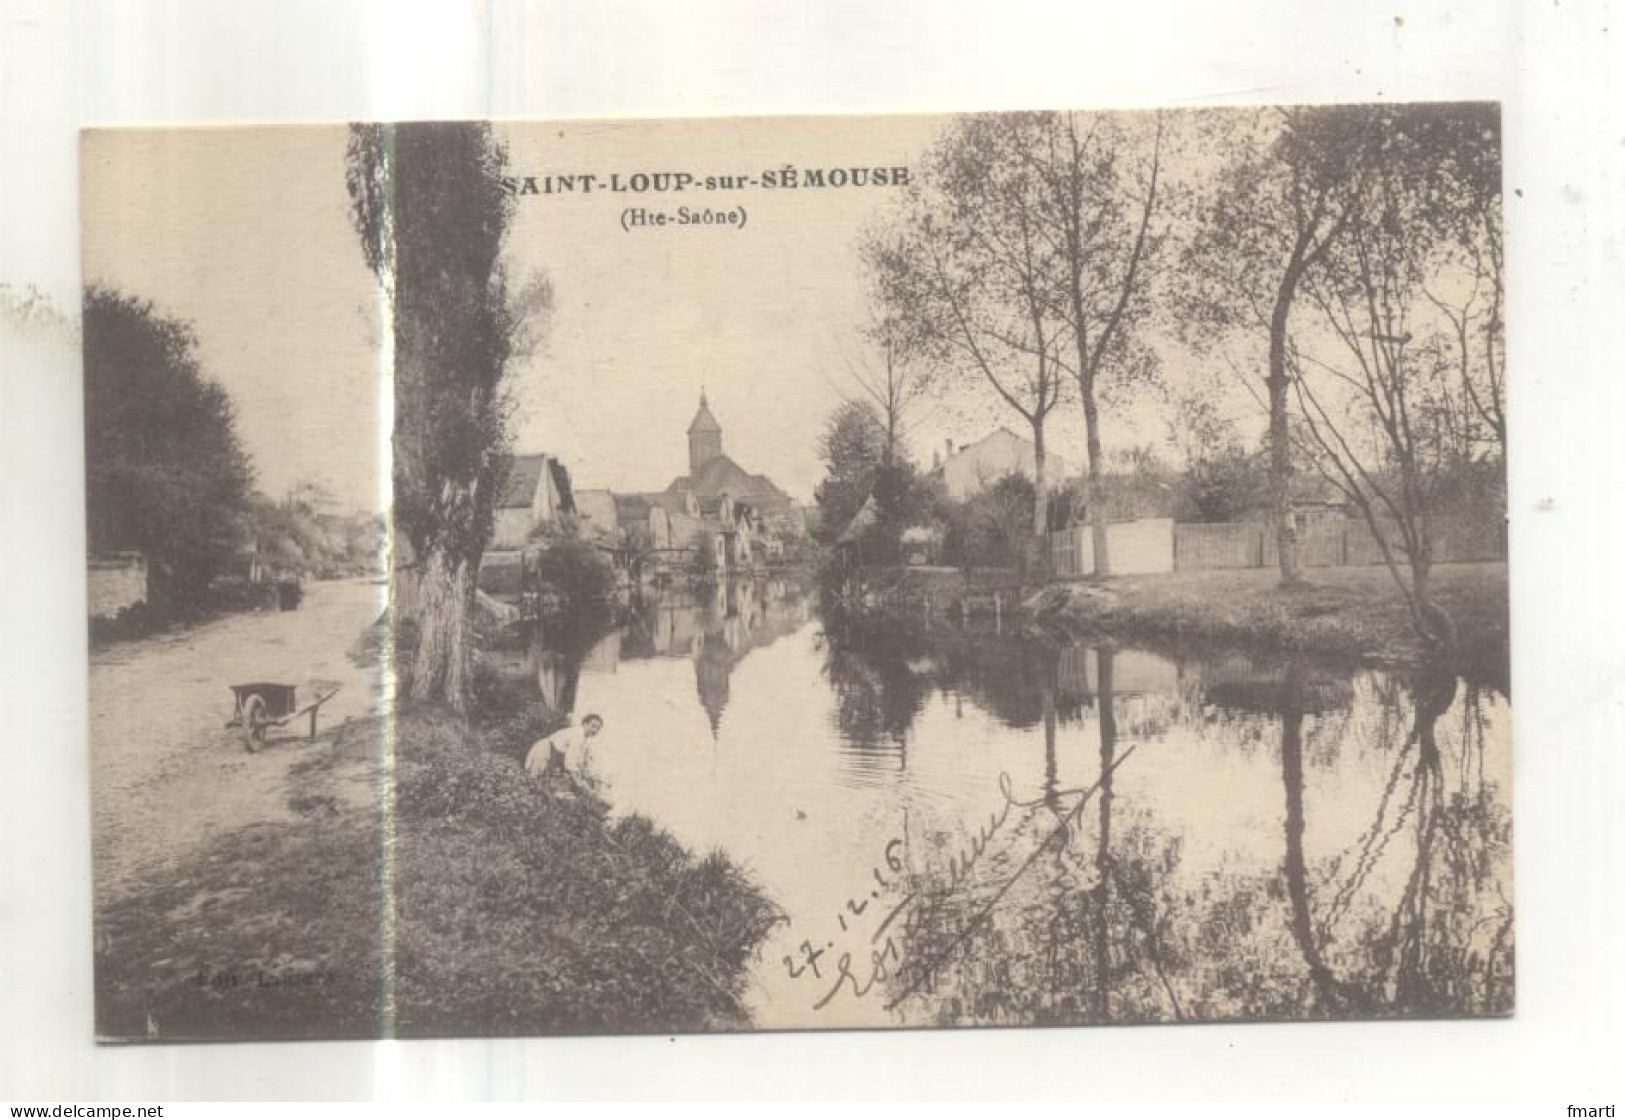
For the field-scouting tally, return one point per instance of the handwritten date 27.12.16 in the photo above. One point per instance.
(859, 911)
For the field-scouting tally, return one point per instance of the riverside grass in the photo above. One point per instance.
(517, 906)
(1355, 614)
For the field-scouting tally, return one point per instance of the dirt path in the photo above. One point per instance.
(166, 774)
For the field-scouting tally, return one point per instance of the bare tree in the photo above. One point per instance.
(892, 378)
(1466, 288)
(1101, 179)
(969, 267)
(1379, 398)
(1474, 316)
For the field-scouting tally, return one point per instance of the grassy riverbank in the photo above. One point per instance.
(475, 900)
(1352, 613)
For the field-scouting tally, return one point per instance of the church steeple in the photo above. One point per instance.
(704, 437)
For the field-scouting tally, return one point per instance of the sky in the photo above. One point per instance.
(643, 320)
(246, 234)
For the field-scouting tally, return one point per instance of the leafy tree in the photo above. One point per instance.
(1029, 257)
(895, 374)
(860, 470)
(1223, 480)
(1467, 286)
(1379, 398)
(577, 572)
(989, 528)
(165, 472)
(969, 267)
(852, 448)
(432, 219)
(305, 534)
(1102, 196)
(1289, 187)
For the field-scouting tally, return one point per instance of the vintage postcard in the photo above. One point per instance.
(610, 576)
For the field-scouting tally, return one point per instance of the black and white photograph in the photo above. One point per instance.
(1004, 569)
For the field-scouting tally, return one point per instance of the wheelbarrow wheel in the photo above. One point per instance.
(255, 721)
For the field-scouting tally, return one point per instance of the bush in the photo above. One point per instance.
(135, 621)
(575, 572)
(989, 529)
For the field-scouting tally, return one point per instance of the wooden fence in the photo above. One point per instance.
(1137, 548)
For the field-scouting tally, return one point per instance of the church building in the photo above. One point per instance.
(712, 475)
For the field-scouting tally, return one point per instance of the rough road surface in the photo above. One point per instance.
(166, 774)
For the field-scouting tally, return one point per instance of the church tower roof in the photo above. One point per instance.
(703, 420)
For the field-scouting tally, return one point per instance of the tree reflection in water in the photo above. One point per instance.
(877, 671)
(1412, 919)
(1258, 840)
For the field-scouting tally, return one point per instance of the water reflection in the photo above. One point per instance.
(1414, 918)
(1213, 839)
(714, 630)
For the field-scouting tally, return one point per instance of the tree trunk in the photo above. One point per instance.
(1038, 551)
(440, 603)
(1102, 893)
(1334, 996)
(1286, 525)
(1438, 629)
(1097, 484)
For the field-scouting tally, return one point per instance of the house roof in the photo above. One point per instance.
(561, 483)
(599, 505)
(632, 509)
(703, 420)
(722, 475)
(1057, 467)
(673, 499)
(523, 475)
(866, 516)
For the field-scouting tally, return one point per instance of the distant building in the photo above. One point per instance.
(974, 467)
(712, 474)
(635, 512)
(537, 493)
(596, 511)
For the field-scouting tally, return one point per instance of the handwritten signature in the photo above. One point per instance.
(885, 958)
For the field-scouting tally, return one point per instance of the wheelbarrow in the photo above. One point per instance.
(263, 705)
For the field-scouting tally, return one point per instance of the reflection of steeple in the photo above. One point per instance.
(712, 669)
(737, 622)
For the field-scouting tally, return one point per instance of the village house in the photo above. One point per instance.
(744, 519)
(537, 494)
(596, 514)
(973, 467)
(640, 513)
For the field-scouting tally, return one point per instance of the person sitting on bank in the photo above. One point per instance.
(566, 750)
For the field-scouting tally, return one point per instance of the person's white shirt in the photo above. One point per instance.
(571, 745)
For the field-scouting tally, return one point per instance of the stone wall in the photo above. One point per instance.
(116, 581)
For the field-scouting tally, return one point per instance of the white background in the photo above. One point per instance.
(63, 64)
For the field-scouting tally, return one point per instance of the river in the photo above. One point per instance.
(966, 827)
